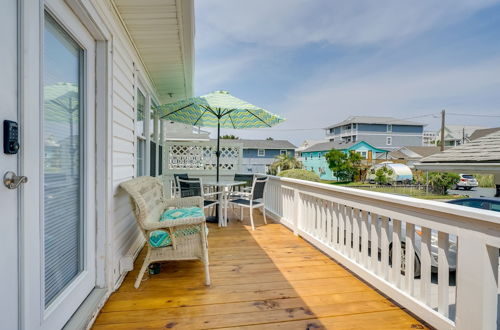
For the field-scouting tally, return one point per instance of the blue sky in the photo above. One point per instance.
(316, 62)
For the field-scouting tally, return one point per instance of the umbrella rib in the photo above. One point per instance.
(209, 110)
(171, 113)
(232, 122)
(258, 118)
(196, 122)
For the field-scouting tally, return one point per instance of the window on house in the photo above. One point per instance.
(153, 145)
(389, 128)
(388, 141)
(261, 152)
(140, 129)
(283, 152)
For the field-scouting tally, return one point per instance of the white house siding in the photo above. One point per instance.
(126, 235)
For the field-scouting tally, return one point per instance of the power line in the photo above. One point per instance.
(472, 115)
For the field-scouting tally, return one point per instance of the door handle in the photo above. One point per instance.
(13, 181)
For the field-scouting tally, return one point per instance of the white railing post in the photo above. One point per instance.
(477, 285)
(297, 211)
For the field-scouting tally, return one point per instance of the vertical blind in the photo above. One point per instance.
(62, 158)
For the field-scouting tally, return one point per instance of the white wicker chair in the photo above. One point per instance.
(149, 203)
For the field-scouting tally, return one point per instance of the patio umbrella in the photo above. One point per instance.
(219, 109)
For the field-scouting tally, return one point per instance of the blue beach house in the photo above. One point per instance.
(313, 158)
(258, 155)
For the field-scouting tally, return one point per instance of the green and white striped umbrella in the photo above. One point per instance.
(219, 108)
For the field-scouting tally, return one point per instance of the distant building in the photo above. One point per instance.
(306, 144)
(479, 133)
(258, 155)
(411, 154)
(429, 138)
(380, 132)
(455, 135)
(313, 158)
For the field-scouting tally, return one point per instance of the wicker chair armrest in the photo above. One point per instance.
(184, 202)
(173, 223)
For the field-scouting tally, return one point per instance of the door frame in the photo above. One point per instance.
(31, 14)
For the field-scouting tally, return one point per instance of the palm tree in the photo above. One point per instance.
(285, 162)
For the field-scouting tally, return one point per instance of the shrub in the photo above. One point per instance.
(441, 182)
(300, 174)
(485, 180)
(382, 175)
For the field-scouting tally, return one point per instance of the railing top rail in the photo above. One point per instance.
(401, 201)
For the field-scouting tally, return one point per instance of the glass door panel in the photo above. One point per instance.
(63, 218)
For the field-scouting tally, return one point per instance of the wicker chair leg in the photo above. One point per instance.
(144, 267)
(241, 213)
(264, 214)
(204, 247)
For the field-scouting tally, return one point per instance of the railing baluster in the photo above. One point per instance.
(410, 258)
(356, 231)
(348, 231)
(374, 242)
(342, 226)
(425, 277)
(335, 224)
(396, 252)
(364, 238)
(384, 247)
(443, 273)
(329, 222)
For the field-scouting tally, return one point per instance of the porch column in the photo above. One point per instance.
(147, 133)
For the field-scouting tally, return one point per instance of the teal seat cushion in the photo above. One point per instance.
(159, 238)
(183, 213)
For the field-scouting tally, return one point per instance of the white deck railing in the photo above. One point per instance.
(347, 224)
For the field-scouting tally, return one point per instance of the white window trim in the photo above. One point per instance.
(261, 152)
(389, 128)
(388, 140)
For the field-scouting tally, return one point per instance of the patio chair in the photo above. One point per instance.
(182, 237)
(194, 187)
(253, 199)
(176, 191)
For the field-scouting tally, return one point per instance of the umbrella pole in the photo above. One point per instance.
(217, 153)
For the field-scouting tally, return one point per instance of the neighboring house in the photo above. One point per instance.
(455, 135)
(411, 154)
(306, 144)
(429, 138)
(314, 157)
(380, 132)
(82, 79)
(481, 155)
(258, 155)
(183, 132)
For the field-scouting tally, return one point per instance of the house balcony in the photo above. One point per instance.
(436, 265)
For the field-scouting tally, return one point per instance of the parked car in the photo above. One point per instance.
(491, 204)
(467, 182)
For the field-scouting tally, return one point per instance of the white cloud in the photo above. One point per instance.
(299, 22)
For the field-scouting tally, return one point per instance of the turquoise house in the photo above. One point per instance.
(313, 158)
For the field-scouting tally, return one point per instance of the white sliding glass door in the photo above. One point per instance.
(62, 271)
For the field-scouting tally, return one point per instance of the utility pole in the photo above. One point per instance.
(442, 129)
(463, 135)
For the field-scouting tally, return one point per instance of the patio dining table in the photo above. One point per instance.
(224, 186)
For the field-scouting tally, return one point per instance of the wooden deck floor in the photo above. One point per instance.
(265, 279)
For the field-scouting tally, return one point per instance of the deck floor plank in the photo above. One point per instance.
(262, 279)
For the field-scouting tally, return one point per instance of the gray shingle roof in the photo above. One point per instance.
(324, 146)
(266, 144)
(479, 133)
(482, 150)
(374, 120)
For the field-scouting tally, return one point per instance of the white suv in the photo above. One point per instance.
(467, 182)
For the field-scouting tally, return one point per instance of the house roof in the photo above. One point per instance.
(414, 152)
(482, 150)
(324, 146)
(266, 144)
(479, 133)
(458, 132)
(375, 120)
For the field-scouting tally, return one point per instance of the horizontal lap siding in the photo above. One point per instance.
(124, 228)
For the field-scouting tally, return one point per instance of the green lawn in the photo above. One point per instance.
(411, 192)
